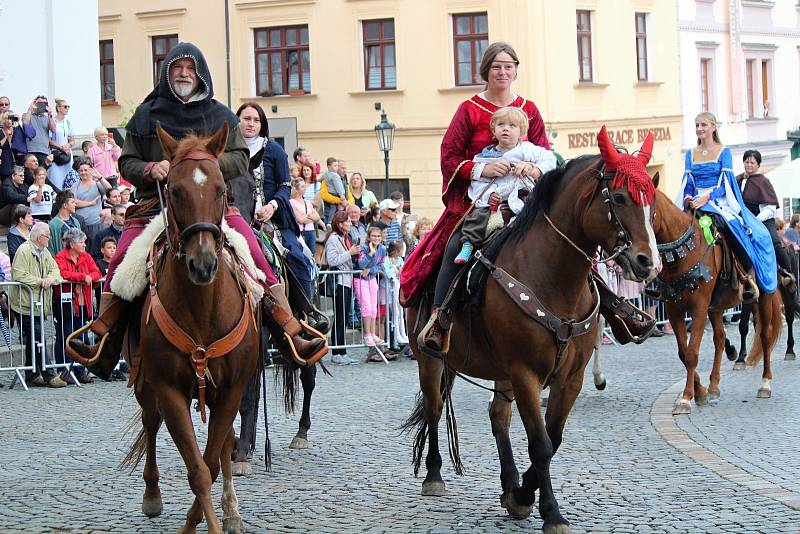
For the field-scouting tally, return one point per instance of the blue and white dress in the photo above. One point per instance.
(716, 178)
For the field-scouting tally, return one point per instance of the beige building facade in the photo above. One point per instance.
(323, 65)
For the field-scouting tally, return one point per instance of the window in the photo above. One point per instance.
(758, 72)
(107, 93)
(162, 44)
(377, 185)
(765, 87)
(470, 39)
(283, 63)
(751, 97)
(705, 72)
(641, 47)
(380, 70)
(584, 30)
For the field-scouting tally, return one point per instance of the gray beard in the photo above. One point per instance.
(184, 90)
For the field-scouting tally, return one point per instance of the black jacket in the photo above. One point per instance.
(12, 194)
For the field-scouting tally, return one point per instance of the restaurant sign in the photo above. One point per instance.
(627, 136)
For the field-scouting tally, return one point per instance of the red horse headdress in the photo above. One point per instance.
(629, 169)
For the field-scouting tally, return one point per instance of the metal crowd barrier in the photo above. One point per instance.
(331, 299)
(12, 338)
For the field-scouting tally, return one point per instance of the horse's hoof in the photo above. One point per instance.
(152, 506)
(682, 407)
(713, 396)
(561, 528)
(241, 468)
(764, 393)
(299, 443)
(730, 352)
(790, 356)
(232, 525)
(739, 366)
(516, 510)
(433, 488)
(601, 386)
(701, 400)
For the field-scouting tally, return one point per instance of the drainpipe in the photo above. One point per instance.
(228, 50)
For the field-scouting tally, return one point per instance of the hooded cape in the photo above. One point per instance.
(204, 113)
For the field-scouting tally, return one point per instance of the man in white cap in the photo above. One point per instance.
(388, 216)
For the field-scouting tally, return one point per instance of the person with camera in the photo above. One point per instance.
(6, 149)
(105, 154)
(41, 120)
(61, 141)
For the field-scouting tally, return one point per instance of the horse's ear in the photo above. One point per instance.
(646, 152)
(168, 143)
(216, 145)
(655, 180)
(607, 150)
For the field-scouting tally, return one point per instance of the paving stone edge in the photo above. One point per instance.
(664, 423)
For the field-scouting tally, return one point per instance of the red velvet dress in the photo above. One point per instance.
(468, 134)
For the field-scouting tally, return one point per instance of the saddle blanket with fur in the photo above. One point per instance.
(130, 279)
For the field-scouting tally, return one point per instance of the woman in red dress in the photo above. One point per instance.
(468, 134)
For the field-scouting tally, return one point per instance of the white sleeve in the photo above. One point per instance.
(477, 169)
(767, 212)
(541, 157)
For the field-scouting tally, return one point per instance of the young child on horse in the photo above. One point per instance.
(507, 125)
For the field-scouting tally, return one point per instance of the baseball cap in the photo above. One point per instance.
(388, 204)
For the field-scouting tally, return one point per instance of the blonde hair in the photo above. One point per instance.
(100, 130)
(510, 113)
(3, 117)
(707, 115)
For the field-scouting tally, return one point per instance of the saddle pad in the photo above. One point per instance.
(130, 279)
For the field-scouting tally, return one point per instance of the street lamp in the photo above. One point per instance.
(384, 131)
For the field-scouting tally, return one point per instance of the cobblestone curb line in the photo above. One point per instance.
(664, 422)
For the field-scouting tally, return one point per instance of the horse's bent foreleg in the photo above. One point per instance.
(500, 416)
(308, 377)
(231, 520)
(527, 389)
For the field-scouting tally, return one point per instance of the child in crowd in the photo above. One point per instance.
(528, 163)
(108, 246)
(370, 258)
(125, 195)
(41, 196)
(391, 269)
(85, 146)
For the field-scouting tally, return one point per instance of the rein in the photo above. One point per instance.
(623, 238)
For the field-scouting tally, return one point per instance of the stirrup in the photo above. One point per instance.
(75, 355)
(314, 358)
(434, 322)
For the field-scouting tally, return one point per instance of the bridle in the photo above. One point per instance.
(623, 242)
(214, 228)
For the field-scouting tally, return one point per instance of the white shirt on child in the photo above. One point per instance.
(45, 207)
(480, 188)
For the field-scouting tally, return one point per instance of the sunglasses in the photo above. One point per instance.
(65, 106)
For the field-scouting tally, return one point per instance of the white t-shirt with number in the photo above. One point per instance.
(45, 207)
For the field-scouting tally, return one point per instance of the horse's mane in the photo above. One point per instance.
(189, 143)
(538, 201)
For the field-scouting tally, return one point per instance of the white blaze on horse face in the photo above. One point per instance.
(651, 237)
(199, 177)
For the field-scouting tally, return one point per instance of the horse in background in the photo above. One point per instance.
(688, 282)
(199, 335)
(573, 210)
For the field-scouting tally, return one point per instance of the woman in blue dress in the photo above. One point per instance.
(710, 186)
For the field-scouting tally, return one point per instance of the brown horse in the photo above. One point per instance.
(205, 300)
(691, 278)
(550, 260)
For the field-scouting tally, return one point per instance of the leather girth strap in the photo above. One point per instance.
(564, 329)
(198, 354)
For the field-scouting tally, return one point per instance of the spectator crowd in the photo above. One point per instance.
(64, 214)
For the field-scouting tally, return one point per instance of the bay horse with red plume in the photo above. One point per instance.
(689, 281)
(535, 322)
(198, 334)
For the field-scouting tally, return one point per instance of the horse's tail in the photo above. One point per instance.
(418, 422)
(139, 445)
(776, 323)
(286, 378)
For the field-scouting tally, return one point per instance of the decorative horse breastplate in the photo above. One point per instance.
(691, 279)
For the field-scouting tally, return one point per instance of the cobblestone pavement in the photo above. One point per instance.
(623, 467)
